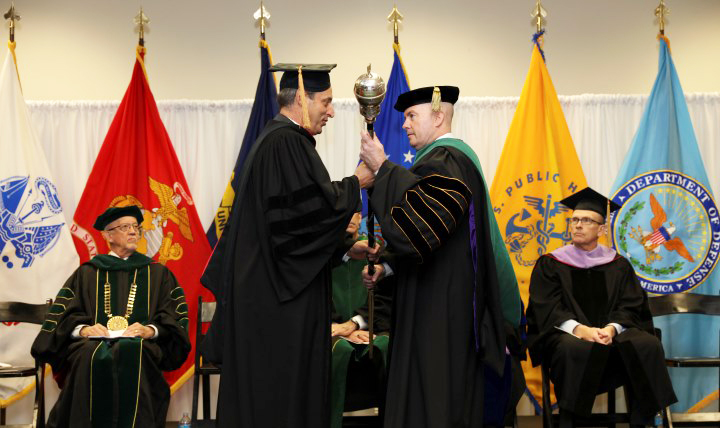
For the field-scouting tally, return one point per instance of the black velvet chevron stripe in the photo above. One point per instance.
(293, 198)
(449, 184)
(428, 218)
(444, 200)
(295, 243)
(411, 231)
(295, 223)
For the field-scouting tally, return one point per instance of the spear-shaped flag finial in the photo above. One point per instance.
(12, 16)
(141, 21)
(539, 14)
(262, 18)
(395, 18)
(661, 13)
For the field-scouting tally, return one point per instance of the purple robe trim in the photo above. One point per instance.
(473, 251)
(576, 257)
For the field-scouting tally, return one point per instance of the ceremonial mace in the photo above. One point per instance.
(370, 91)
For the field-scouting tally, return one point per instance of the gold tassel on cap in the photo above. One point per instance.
(436, 99)
(303, 101)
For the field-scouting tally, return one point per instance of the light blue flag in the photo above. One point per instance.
(669, 228)
(388, 125)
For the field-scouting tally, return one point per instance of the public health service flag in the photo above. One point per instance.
(538, 168)
(264, 108)
(137, 165)
(388, 124)
(36, 250)
(668, 226)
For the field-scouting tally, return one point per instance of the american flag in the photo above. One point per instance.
(659, 236)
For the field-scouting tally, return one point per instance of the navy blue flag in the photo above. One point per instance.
(668, 227)
(265, 107)
(388, 125)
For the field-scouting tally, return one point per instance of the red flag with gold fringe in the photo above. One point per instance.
(137, 165)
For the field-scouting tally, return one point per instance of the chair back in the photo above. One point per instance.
(33, 313)
(684, 303)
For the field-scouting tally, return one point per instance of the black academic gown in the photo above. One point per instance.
(271, 276)
(113, 396)
(608, 293)
(447, 320)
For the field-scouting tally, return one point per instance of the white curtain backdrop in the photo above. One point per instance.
(207, 137)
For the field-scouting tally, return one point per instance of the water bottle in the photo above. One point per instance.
(185, 421)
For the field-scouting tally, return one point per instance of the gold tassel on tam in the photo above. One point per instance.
(436, 99)
(303, 101)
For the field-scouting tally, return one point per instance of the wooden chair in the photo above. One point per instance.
(688, 303)
(203, 369)
(34, 314)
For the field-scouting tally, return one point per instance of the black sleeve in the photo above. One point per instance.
(171, 320)
(69, 309)
(305, 214)
(419, 209)
(546, 308)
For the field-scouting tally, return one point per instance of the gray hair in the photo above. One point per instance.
(286, 96)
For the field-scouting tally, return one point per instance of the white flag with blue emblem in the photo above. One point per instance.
(37, 254)
(668, 227)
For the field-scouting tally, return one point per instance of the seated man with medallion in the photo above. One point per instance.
(116, 324)
(589, 321)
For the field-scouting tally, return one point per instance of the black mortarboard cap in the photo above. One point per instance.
(588, 199)
(316, 77)
(113, 213)
(447, 94)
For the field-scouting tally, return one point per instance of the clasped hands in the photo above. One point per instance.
(372, 154)
(135, 330)
(593, 334)
(349, 331)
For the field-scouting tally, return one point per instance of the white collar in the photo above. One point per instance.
(112, 253)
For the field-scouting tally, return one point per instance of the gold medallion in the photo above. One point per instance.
(117, 323)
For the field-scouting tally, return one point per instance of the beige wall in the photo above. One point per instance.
(207, 49)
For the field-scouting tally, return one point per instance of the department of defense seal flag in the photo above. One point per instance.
(668, 227)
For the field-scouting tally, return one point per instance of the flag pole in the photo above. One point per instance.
(262, 16)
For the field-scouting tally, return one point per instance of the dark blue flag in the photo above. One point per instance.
(265, 107)
(388, 125)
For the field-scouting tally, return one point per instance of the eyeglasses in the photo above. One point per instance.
(585, 221)
(124, 228)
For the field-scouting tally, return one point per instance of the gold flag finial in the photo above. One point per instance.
(661, 13)
(262, 18)
(12, 16)
(539, 14)
(395, 18)
(141, 21)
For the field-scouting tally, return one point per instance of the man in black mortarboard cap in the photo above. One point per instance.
(116, 383)
(589, 320)
(271, 269)
(450, 310)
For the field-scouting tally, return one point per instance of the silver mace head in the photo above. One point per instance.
(370, 92)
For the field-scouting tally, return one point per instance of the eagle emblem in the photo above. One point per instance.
(660, 236)
(169, 201)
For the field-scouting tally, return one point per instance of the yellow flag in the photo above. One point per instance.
(538, 167)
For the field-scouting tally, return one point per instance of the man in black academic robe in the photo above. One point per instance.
(271, 269)
(589, 321)
(447, 314)
(115, 382)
